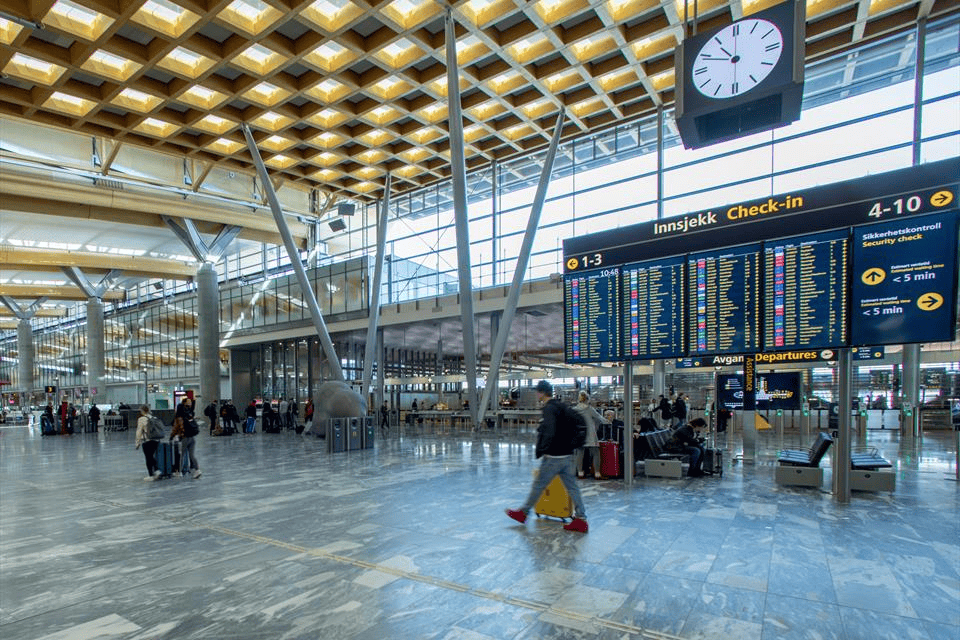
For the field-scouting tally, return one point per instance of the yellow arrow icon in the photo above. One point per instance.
(572, 264)
(930, 301)
(941, 198)
(874, 275)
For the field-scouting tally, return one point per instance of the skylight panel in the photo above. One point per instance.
(77, 20)
(34, 69)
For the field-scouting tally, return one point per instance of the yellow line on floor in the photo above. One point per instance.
(443, 584)
(573, 616)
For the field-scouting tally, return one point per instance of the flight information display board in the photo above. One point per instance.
(724, 299)
(653, 305)
(592, 316)
(904, 281)
(805, 292)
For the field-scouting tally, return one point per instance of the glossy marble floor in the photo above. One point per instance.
(280, 540)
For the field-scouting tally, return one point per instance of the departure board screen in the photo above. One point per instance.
(805, 292)
(723, 299)
(653, 309)
(592, 316)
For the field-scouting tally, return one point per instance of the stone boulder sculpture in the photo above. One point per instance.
(336, 399)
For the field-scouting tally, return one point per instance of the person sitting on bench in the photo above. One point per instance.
(684, 440)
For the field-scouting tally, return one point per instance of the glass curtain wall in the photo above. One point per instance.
(857, 120)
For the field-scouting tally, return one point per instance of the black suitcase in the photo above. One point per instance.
(165, 459)
(647, 425)
(713, 462)
(46, 427)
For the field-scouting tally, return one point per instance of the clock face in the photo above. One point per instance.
(737, 58)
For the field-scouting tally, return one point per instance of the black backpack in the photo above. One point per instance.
(155, 429)
(575, 425)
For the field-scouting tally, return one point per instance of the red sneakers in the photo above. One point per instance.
(519, 516)
(578, 524)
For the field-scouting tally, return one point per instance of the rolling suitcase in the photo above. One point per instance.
(610, 459)
(713, 462)
(46, 427)
(555, 502)
(165, 459)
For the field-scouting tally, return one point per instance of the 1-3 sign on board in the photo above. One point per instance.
(904, 281)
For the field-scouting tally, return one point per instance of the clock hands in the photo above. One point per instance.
(746, 53)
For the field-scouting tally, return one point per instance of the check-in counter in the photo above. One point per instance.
(519, 419)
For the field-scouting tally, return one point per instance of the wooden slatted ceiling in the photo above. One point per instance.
(341, 91)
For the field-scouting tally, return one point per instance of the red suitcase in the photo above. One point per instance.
(610, 459)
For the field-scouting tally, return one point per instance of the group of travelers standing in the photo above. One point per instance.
(183, 440)
(673, 410)
(224, 420)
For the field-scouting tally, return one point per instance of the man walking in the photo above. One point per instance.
(188, 459)
(384, 418)
(665, 411)
(95, 417)
(555, 445)
(679, 411)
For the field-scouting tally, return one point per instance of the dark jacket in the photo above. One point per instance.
(251, 410)
(680, 409)
(554, 436)
(664, 407)
(95, 414)
(682, 437)
(185, 412)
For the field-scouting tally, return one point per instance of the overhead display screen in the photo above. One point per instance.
(867, 262)
(592, 316)
(653, 305)
(723, 298)
(904, 281)
(928, 188)
(805, 292)
(774, 390)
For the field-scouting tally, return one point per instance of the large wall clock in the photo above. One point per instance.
(743, 78)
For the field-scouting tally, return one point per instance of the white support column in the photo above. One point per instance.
(208, 332)
(526, 247)
(910, 389)
(96, 363)
(25, 355)
(628, 420)
(458, 174)
(293, 254)
(26, 352)
(374, 309)
(841, 470)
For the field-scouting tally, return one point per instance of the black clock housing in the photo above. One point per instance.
(773, 103)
